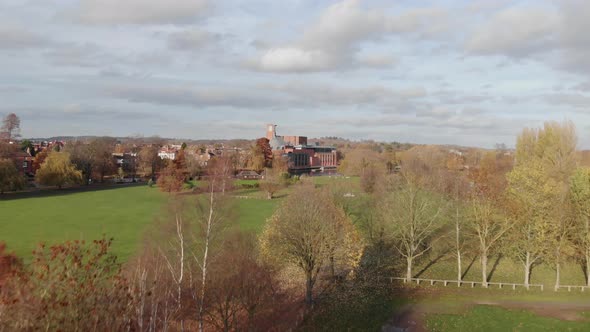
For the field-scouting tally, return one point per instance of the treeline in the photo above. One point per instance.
(531, 206)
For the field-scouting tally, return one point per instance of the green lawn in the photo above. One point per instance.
(121, 213)
(491, 318)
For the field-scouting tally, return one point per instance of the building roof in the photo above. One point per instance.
(276, 143)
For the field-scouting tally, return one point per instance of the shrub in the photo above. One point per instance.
(67, 287)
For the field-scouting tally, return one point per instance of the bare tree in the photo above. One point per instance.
(488, 227)
(413, 219)
(212, 219)
(10, 127)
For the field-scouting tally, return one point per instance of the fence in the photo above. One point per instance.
(473, 283)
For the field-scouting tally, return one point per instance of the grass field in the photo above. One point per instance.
(121, 213)
(492, 318)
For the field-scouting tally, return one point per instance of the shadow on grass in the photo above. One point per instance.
(67, 191)
(494, 267)
(468, 267)
(432, 262)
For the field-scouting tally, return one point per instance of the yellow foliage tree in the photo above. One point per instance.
(58, 170)
(309, 231)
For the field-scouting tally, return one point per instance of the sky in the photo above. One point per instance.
(471, 73)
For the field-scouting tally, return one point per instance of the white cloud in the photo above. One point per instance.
(295, 59)
(138, 11)
(515, 32)
(332, 41)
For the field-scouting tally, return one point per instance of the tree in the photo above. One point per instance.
(533, 201)
(58, 170)
(171, 179)
(149, 161)
(311, 237)
(101, 150)
(28, 147)
(72, 286)
(81, 156)
(580, 199)
(545, 161)
(10, 127)
(370, 178)
(212, 220)
(272, 182)
(40, 159)
(10, 179)
(488, 227)
(260, 155)
(412, 218)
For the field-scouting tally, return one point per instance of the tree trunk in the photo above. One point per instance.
(409, 270)
(332, 266)
(458, 246)
(557, 270)
(309, 290)
(587, 267)
(527, 269)
(459, 272)
(484, 268)
(268, 195)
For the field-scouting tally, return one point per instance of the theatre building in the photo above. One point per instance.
(303, 158)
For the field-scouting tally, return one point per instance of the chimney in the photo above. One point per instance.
(271, 131)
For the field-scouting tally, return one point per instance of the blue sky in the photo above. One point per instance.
(452, 72)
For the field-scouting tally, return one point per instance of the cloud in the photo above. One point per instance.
(294, 59)
(516, 32)
(332, 41)
(576, 100)
(289, 95)
(189, 96)
(377, 60)
(15, 36)
(137, 11)
(188, 40)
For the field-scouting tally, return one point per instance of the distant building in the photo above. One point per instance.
(168, 152)
(302, 157)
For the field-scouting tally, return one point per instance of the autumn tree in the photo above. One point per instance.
(272, 182)
(171, 179)
(58, 170)
(10, 127)
(10, 179)
(72, 286)
(40, 159)
(82, 158)
(310, 232)
(149, 161)
(412, 218)
(580, 200)
(488, 227)
(545, 160)
(101, 150)
(260, 155)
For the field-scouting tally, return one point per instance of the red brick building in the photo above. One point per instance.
(303, 158)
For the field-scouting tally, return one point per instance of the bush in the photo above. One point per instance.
(67, 287)
(188, 185)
